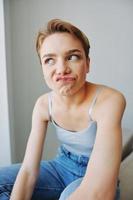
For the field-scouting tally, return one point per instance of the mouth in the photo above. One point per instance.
(66, 78)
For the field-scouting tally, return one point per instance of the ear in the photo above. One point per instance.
(87, 65)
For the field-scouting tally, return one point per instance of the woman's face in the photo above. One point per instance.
(64, 63)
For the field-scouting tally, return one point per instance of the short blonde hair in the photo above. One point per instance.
(60, 26)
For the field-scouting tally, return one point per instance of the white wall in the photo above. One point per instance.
(5, 148)
(108, 24)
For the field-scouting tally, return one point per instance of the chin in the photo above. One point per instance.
(66, 94)
(66, 91)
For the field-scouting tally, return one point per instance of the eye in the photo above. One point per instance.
(49, 61)
(74, 57)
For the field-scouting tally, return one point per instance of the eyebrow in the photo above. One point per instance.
(68, 52)
(73, 51)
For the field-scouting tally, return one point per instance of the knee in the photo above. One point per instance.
(8, 174)
(7, 179)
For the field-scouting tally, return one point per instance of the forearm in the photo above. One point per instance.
(24, 185)
(94, 191)
(84, 192)
(103, 168)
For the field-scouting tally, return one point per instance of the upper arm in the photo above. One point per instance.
(103, 167)
(37, 135)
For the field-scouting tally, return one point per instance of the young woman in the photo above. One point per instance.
(87, 118)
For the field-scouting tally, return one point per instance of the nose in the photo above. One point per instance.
(62, 67)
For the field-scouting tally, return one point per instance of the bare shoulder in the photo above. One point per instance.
(111, 103)
(41, 107)
(112, 95)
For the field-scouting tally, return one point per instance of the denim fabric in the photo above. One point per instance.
(55, 175)
(72, 187)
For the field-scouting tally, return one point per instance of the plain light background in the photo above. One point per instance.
(5, 144)
(108, 25)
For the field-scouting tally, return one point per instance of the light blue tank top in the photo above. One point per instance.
(78, 142)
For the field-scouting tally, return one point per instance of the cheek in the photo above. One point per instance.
(81, 69)
(48, 76)
(82, 72)
(45, 72)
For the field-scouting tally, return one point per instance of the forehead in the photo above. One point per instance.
(60, 42)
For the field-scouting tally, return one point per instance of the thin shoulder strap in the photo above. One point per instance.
(50, 104)
(94, 101)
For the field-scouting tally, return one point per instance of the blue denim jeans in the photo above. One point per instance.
(58, 178)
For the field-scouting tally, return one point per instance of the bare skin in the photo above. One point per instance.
(64, 69)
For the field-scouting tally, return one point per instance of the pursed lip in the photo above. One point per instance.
(65, 78)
